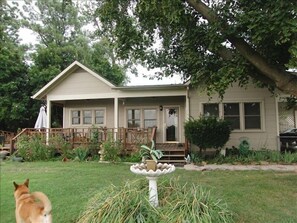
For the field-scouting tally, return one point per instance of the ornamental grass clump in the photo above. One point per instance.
(178, 203)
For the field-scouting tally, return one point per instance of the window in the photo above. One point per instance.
(142, 118)
(87, 117)
(252, 116)
(231, 114)
(75, 117)
(211, 109)
(99, 116)
(242, 115)
(150, 118)
(133, 118)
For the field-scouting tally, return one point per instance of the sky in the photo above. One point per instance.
(27, 36)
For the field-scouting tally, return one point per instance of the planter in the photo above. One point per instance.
(151, 165)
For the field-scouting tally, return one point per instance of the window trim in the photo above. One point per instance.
(241, 113)
(142, 114)
(81, 110)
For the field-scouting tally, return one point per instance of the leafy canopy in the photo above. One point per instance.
(211, 43)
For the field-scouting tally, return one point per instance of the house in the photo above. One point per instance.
(90, 100)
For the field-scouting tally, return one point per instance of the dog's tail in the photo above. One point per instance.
(45, 201)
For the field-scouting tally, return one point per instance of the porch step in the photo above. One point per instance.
(173, 153)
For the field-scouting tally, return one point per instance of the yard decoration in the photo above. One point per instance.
(152, 176)
(151, 155)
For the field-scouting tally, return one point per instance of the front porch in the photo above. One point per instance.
(131, 139)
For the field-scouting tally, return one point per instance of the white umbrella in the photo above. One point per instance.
(41, 120)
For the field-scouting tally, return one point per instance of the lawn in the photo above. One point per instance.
(253, 196)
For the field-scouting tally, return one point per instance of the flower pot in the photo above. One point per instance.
(151, 165)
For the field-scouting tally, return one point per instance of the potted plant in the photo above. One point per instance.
(151, 155)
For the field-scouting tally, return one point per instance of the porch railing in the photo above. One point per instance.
(130, 138)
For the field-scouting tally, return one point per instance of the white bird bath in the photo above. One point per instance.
(152, 176)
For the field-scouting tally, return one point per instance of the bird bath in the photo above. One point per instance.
(152, 176)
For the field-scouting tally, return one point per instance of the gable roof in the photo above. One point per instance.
(70, 69)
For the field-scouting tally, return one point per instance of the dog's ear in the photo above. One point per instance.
(15, 185)
(27, 183)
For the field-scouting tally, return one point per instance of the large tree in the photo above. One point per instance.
(211, 42)
(62, 39)
(15, 102)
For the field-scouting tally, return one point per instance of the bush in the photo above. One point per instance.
(207, 132)
(33, 148)
(178, 203)
(111, 150)
(80, 153)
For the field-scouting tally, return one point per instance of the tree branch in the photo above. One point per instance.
(285, 81)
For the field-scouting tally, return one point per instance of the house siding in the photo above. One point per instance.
(259, 139)
(80, 82)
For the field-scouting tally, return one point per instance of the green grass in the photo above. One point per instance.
(254, 196)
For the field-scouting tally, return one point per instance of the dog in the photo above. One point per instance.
(31, 207)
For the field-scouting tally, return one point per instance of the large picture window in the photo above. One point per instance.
(242, 115)
(142, 118)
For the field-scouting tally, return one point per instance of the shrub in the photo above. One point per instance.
(207, 132)
(81, 153)
(111, 150)
(178, 203)
(33, 148)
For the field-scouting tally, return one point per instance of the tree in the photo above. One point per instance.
(60, 28)
(14, 93)
(212, 43)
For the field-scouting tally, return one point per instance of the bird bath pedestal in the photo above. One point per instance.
(152, 176)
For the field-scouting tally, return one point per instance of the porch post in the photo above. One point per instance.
(48, 119)
(116, 116)
(187, 105)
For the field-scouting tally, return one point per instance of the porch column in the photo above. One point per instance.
(116, 116)
(48, 118)
(187, 113)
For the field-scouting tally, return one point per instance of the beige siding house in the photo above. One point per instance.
(90, 100)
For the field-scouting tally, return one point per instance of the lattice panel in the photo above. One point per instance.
(286, 117)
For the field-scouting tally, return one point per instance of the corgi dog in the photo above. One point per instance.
(31, 207)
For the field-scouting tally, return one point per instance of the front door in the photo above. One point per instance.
(171, 119)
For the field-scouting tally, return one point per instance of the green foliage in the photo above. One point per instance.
(110, 150)
(254, 157)
(150, 152)
(33, 148)
(207, 132)
(134, 158)
(178, 203)
(244, 148)
(81, 153)
(199, 39)
(15, 102)
(63, 39)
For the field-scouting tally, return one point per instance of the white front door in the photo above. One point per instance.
(171, 124)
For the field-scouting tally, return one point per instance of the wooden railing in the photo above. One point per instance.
(6, 137)
(130, 138)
